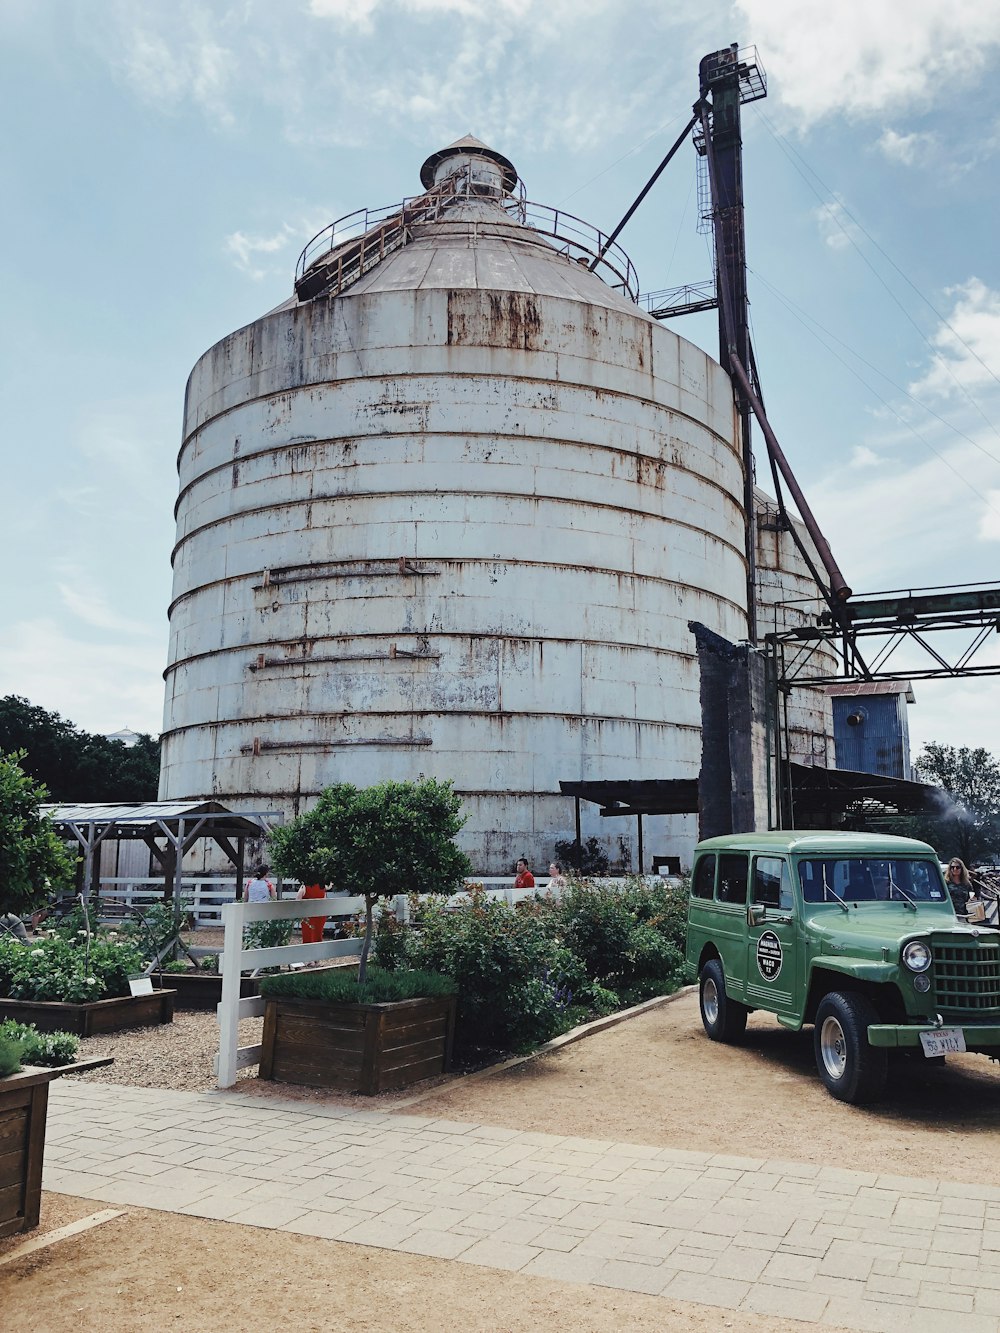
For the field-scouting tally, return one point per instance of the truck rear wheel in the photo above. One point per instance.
(722, 1018)
(852, 1070)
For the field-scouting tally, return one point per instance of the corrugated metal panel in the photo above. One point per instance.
(872, 734)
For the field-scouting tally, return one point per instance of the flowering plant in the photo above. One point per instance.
(58, 969)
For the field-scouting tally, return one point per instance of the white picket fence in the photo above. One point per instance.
(208, 896)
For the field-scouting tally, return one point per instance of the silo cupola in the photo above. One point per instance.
(489, 171)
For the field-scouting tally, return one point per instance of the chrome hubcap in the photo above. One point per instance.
(833, 1047)
(710, 1001)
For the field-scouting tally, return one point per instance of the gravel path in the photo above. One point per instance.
(171, 1055)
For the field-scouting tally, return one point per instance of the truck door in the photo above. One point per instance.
(773, 965)
(730, 929)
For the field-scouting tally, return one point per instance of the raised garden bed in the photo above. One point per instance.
(365, 1048)
(90, 1020)
(200, 990)
(24, 1102)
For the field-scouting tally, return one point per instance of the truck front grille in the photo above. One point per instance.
(967, 976)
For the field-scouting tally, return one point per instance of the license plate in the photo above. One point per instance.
(946, 1041)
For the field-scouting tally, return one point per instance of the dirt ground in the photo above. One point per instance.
(657, 1079)
(654, 1079)
(151, 1271)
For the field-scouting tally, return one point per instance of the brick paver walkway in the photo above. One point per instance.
(857, 1249)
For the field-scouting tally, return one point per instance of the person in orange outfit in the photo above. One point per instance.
(525, 879)
(312, 926)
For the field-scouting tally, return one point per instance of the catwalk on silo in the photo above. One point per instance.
(448, 511)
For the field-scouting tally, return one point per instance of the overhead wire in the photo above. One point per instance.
(636, 148)
(807, 323)
(792, 306)
(801, 166)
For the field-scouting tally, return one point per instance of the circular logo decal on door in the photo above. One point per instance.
(769, 955)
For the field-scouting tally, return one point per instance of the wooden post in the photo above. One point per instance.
(638, 820)
(579, 844)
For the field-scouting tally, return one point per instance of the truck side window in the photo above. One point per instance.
(733, 876)
(772, 886)
(704, 878)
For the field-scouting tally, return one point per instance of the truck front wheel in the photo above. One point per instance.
(722, 1018)
(852, 1070)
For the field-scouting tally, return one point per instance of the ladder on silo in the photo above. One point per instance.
(345, 263)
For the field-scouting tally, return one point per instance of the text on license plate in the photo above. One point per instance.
(946, 1041)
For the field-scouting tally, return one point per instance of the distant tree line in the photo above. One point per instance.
(73, 764)
(967, 821)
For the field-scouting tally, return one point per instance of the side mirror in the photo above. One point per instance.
(756, 914)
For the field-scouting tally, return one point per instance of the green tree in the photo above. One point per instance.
(376, 842)
(968, 823)
(73, 764)
(31, 852)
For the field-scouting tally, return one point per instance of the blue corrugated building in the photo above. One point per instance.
(870, 729)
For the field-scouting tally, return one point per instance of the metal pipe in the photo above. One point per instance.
(734, 345)
(839, 586)
(643, 192)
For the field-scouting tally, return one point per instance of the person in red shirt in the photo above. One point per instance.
(525, 879)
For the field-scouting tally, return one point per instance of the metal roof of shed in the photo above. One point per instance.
(134, 821)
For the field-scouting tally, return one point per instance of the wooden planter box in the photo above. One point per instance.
(90, 1020)
(24, 1100)
(365, 1048)
(201, 990)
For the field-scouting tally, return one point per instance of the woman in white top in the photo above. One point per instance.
(259, 889)
(557, 879)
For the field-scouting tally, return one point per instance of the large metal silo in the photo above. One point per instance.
(448, 511)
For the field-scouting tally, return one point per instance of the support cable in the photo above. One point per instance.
(643, 192)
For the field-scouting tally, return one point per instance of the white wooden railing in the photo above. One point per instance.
(236, 959)
(208, 896)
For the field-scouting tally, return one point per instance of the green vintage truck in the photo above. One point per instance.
(853, 933)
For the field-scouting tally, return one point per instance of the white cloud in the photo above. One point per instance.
(907, 149)
(861, 58)
(97, 686)
(967, 354)
(93, 609)
(989, 522)
(353, 72)
(904, 524)
(862, 456)
(170, 69)
(952, 712)
(243, 249)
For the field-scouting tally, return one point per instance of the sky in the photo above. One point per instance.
(165, 163)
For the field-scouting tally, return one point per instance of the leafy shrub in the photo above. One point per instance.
(10, 1055)
(40, 1048)
(590, 860)
(341, 985)
(152, 925)
(267, 935)
(515, 982)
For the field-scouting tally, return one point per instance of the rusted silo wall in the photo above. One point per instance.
(452, 522)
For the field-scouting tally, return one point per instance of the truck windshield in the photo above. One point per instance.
(868, 879)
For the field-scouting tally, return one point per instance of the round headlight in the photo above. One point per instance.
(917, 956)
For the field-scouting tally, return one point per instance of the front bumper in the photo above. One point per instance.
(981, 1037)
